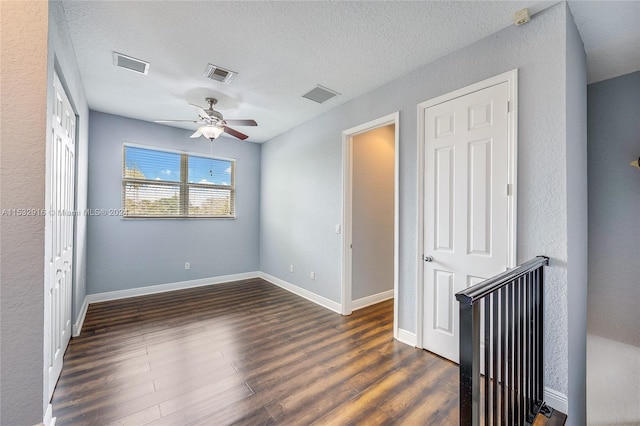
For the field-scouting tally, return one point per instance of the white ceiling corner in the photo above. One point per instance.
(610, 31)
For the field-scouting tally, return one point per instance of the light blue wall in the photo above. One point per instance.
(124, 254)
(302, 172)
(576, 160)
(614, 207)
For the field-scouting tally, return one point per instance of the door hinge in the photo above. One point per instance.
(508, 190)
(508, 106)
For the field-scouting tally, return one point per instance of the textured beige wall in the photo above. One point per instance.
(23, 94)
(372, 211)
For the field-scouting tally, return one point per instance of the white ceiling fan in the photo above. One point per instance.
(213, 123)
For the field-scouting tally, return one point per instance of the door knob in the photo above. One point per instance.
(428, 258)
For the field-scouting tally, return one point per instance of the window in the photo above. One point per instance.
(173, 184)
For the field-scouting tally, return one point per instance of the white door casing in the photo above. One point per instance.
(60, 215)
(469, 202)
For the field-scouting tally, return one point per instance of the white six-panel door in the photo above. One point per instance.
(466, 211)
(61, 217)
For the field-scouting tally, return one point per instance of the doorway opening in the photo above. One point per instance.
(370, 214)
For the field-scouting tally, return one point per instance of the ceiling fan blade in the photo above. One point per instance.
(197, 134)
(176, 121)
(201, 112)
(235, 133)
(241, 122)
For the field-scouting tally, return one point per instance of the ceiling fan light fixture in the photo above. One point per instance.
(211, 132)
(213, 123)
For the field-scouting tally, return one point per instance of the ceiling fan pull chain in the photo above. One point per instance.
(211, 155)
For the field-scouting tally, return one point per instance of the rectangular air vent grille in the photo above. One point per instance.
(217, 73)
(129, 63)
(320, 94)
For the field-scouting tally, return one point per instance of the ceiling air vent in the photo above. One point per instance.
(129, 63)
(320, 94)
(217, 73)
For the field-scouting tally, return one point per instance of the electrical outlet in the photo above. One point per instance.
(313, 275)
(290, 268)
(187, 265)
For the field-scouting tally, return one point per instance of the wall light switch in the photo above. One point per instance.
(290, 268)
(338, 228)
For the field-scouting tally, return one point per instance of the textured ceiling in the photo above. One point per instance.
(280, 50)
(610, 31)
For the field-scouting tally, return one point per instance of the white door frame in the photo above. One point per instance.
(347, 170)
(511, 78)
(58, 82)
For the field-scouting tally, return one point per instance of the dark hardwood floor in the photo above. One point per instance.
(248, 353)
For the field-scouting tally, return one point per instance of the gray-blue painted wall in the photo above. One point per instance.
(614, 208)
(128, 253)
(577, 228)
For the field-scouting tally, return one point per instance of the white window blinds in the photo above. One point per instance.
(169, 184)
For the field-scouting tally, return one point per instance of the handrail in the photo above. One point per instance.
(486, 287)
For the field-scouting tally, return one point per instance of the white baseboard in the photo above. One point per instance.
(77, 326)
(371, 300)
(153, 289)
(181, 285)
(48, 419)
(322, 301)
(406, 337)
(556, 400)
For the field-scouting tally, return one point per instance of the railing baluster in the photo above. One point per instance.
(525, 345)
(541, 335)
(503, 350)
(530, 375)
(525, 349)
(470, 364)
(487, 357)
(503, 344)
(538, 342)
(518, 342)
(534, 340)
(494, 356)
(510, 348)
(522, 351)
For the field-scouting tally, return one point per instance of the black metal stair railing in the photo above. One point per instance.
(501, 365)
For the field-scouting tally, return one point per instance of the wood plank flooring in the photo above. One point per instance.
(248, 353)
